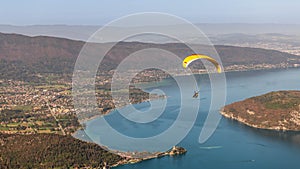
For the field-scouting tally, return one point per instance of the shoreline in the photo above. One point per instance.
(133, 160)
(203, 73)
(133, 157)
(231, 117)
(111, 110)
(174, 151)
(129, 157)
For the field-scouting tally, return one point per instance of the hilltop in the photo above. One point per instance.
(275, 111)
(29, 58)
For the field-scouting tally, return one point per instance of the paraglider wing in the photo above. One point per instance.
(191, 58)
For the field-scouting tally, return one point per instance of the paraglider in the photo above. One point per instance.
(196, 94)
(191, 58)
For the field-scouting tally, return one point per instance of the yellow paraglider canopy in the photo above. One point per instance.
(191, 58)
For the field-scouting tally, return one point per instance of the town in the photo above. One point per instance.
(28, 108)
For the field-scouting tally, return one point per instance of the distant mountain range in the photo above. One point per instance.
(78, 32)
(23, 55)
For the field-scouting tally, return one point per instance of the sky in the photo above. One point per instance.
(100, 12)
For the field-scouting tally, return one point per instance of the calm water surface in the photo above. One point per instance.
(233, 145)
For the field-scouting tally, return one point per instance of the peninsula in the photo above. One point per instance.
(274, 111)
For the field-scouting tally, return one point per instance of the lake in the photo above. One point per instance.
(233, 145)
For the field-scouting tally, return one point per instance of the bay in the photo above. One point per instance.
(233, 145)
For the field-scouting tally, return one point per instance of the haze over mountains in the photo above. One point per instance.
(281, 37)
(77, 32)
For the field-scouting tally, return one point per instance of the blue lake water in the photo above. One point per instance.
(233, 145)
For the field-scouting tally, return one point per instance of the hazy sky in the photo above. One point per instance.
(99, 12)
